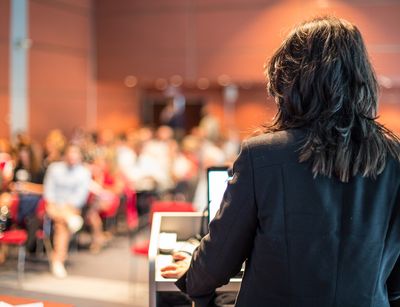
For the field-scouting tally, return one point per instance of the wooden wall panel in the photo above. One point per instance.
(60, 74)
(4, 67)
(87, 4)
(57, 26)
(147, 45)
(244, 36)
(58, 91)
(59, 71)
(117, 107)
(207, 38)
(5, 19)
(4, 115)
(152, 39)
(377, 21)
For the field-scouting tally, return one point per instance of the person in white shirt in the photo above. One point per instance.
(66, 188)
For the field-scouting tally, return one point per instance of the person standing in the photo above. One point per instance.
(313, 206)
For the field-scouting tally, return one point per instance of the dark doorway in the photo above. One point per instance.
(152, 107)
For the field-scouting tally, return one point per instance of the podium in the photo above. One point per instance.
(185, 225)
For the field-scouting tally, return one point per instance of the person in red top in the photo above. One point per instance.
(105, 190)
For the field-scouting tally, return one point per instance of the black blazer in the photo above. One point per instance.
(306, 241)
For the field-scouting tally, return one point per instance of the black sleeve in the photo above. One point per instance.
(393, 284)
(230, 239)
(14, 179)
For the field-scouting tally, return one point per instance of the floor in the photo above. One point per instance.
(111, 278)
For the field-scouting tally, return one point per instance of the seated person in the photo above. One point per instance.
(105, 189)
(66, 188)
(27, 184)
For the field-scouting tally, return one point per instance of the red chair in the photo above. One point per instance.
(16, 237)
(43, 234)
(141, 248)
(170, 206)
(109, 215)
(132, 217)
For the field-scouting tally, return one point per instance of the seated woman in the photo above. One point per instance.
(27, 184)
(54, 147)
(105, 189)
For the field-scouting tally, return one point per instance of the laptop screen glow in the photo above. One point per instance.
(217, 181)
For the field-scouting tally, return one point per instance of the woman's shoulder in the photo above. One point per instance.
(276, 139)
(275, 148)
(393, 163)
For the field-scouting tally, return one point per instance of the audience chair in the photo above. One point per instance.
(43, 235)
(109, 216)
(18, 238)
(131, 211)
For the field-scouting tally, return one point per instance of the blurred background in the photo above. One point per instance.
(107, 64)
(153, 92)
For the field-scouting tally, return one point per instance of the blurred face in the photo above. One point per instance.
(145, 134)
(24, 157)
(73, 155)
(164, 133)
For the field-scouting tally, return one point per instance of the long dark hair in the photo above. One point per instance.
(34, 156)
(322, 80)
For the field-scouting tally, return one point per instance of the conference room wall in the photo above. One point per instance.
(158, 39)
(4, 66)
(61, 80)
(117, 106)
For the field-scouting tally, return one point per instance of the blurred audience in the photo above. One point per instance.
(54, 147)
(6, 164)
(89, 180)
(209, 124)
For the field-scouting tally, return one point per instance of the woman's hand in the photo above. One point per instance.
(178, 268)
(181, 256)
(14, 187)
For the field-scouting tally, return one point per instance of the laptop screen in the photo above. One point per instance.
(217, 181)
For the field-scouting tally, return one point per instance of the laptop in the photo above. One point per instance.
(217, 181)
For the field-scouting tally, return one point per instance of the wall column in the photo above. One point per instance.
(19, 45)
